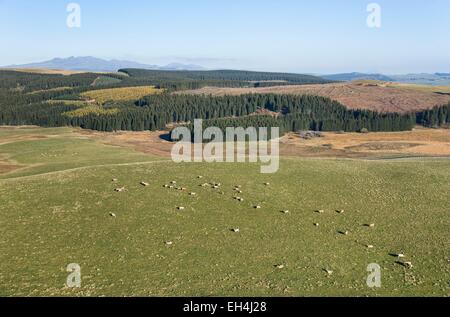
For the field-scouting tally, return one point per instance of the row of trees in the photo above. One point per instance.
(183, 80)
(260, 121)
(295, 112)
(436, 117)
(224, 75)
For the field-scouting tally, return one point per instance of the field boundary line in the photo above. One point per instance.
(85, 168)
(398, 159)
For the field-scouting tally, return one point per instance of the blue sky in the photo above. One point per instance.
(320, 36)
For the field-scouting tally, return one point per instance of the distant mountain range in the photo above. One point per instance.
(356, 76)
(424, 79)
(93, 64)
(89, 63)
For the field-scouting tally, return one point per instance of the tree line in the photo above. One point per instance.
(184, 80)
(435, 117)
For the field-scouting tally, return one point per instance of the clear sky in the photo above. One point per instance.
(308, 36)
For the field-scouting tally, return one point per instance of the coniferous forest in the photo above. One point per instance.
(51, 100)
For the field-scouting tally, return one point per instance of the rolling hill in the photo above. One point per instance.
(436, 79)
(61, 208)
(357, 76)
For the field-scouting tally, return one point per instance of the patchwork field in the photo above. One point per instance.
(62, 208)
(354, 95)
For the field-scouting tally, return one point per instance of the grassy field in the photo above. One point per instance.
(58, 89)
(79, 103)
(120, 94)
(48, 220)
(104, 81)
(422, 88)
(39, 150)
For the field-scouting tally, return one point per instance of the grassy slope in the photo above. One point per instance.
(61, 150)
(423, 88)
(49, 221)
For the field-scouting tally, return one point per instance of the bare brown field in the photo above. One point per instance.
(145, 142)
(355, 95)
(420, 142)
(7, 167)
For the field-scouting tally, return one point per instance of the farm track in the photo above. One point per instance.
(370, 159)
(77, 169)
